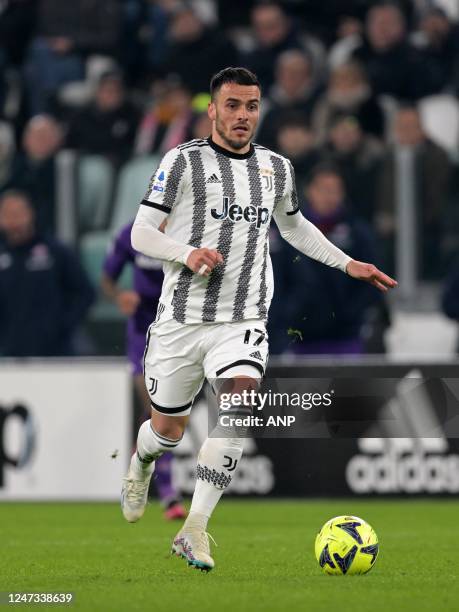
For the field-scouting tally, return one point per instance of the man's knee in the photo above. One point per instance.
(237, 384)
(168, 426)
(237, 394)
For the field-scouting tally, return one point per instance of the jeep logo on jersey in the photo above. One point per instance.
(234, 212)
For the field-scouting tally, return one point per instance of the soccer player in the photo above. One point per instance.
(139, 305)
(218, 195)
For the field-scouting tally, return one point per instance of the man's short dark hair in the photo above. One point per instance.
(324, 167)
(396, 4)
(239, 76)
(16, 194)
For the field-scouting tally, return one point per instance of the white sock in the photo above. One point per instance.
(150, 446)
(217, 462)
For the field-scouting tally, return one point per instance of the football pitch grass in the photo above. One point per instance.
(264, 559)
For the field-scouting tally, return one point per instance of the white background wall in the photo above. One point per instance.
(80, 415)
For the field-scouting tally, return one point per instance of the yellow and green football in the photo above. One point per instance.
(346, 545)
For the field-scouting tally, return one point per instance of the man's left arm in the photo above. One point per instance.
(310, 241)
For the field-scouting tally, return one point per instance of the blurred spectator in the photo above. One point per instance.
(432, 174)
(296, 140)
(349, 38)
(293, 91)
(440, 38)
(44, 294)
(108, 125)
(330, 18)
(348, 26)
(67, 32)
(194, 51)
(168, 123)
(358, 157)
(33, 169)
(348, 92)
(144, 34)
(327, 19)
(274, 33)
(327, 312)
(394, 65)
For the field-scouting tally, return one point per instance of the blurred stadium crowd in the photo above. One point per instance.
(361, 95)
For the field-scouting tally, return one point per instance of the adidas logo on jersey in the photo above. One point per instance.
(250, 214)
(256, 355)
(213, 179)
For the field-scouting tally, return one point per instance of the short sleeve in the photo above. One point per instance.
(287, 202)
(167, 183)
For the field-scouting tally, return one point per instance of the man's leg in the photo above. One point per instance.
(217, 461)
(173, 377)
(156, 436)
(169, 498)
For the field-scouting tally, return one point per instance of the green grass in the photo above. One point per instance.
(264, 559)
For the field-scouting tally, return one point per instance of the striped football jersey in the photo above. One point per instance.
(221, 200)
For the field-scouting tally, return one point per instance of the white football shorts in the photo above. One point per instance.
(178, 357)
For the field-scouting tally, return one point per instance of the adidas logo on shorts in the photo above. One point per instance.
(213, 178)
(256, 355)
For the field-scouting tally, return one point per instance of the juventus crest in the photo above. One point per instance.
(267, 181)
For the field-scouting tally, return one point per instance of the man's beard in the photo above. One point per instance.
(234, 144)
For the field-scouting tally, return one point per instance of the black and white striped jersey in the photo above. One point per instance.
(224, 201)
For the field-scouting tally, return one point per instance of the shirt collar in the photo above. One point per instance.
(224, 151)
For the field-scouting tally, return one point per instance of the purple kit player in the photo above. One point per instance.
(138, 304)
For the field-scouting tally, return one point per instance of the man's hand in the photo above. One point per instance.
(203, 261)
(127, 302)
(371, 274)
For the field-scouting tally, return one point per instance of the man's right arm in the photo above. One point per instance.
(163, 194)
(147, 238)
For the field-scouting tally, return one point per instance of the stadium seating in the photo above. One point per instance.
(440, 117)
(131, 186)
(95, 182)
